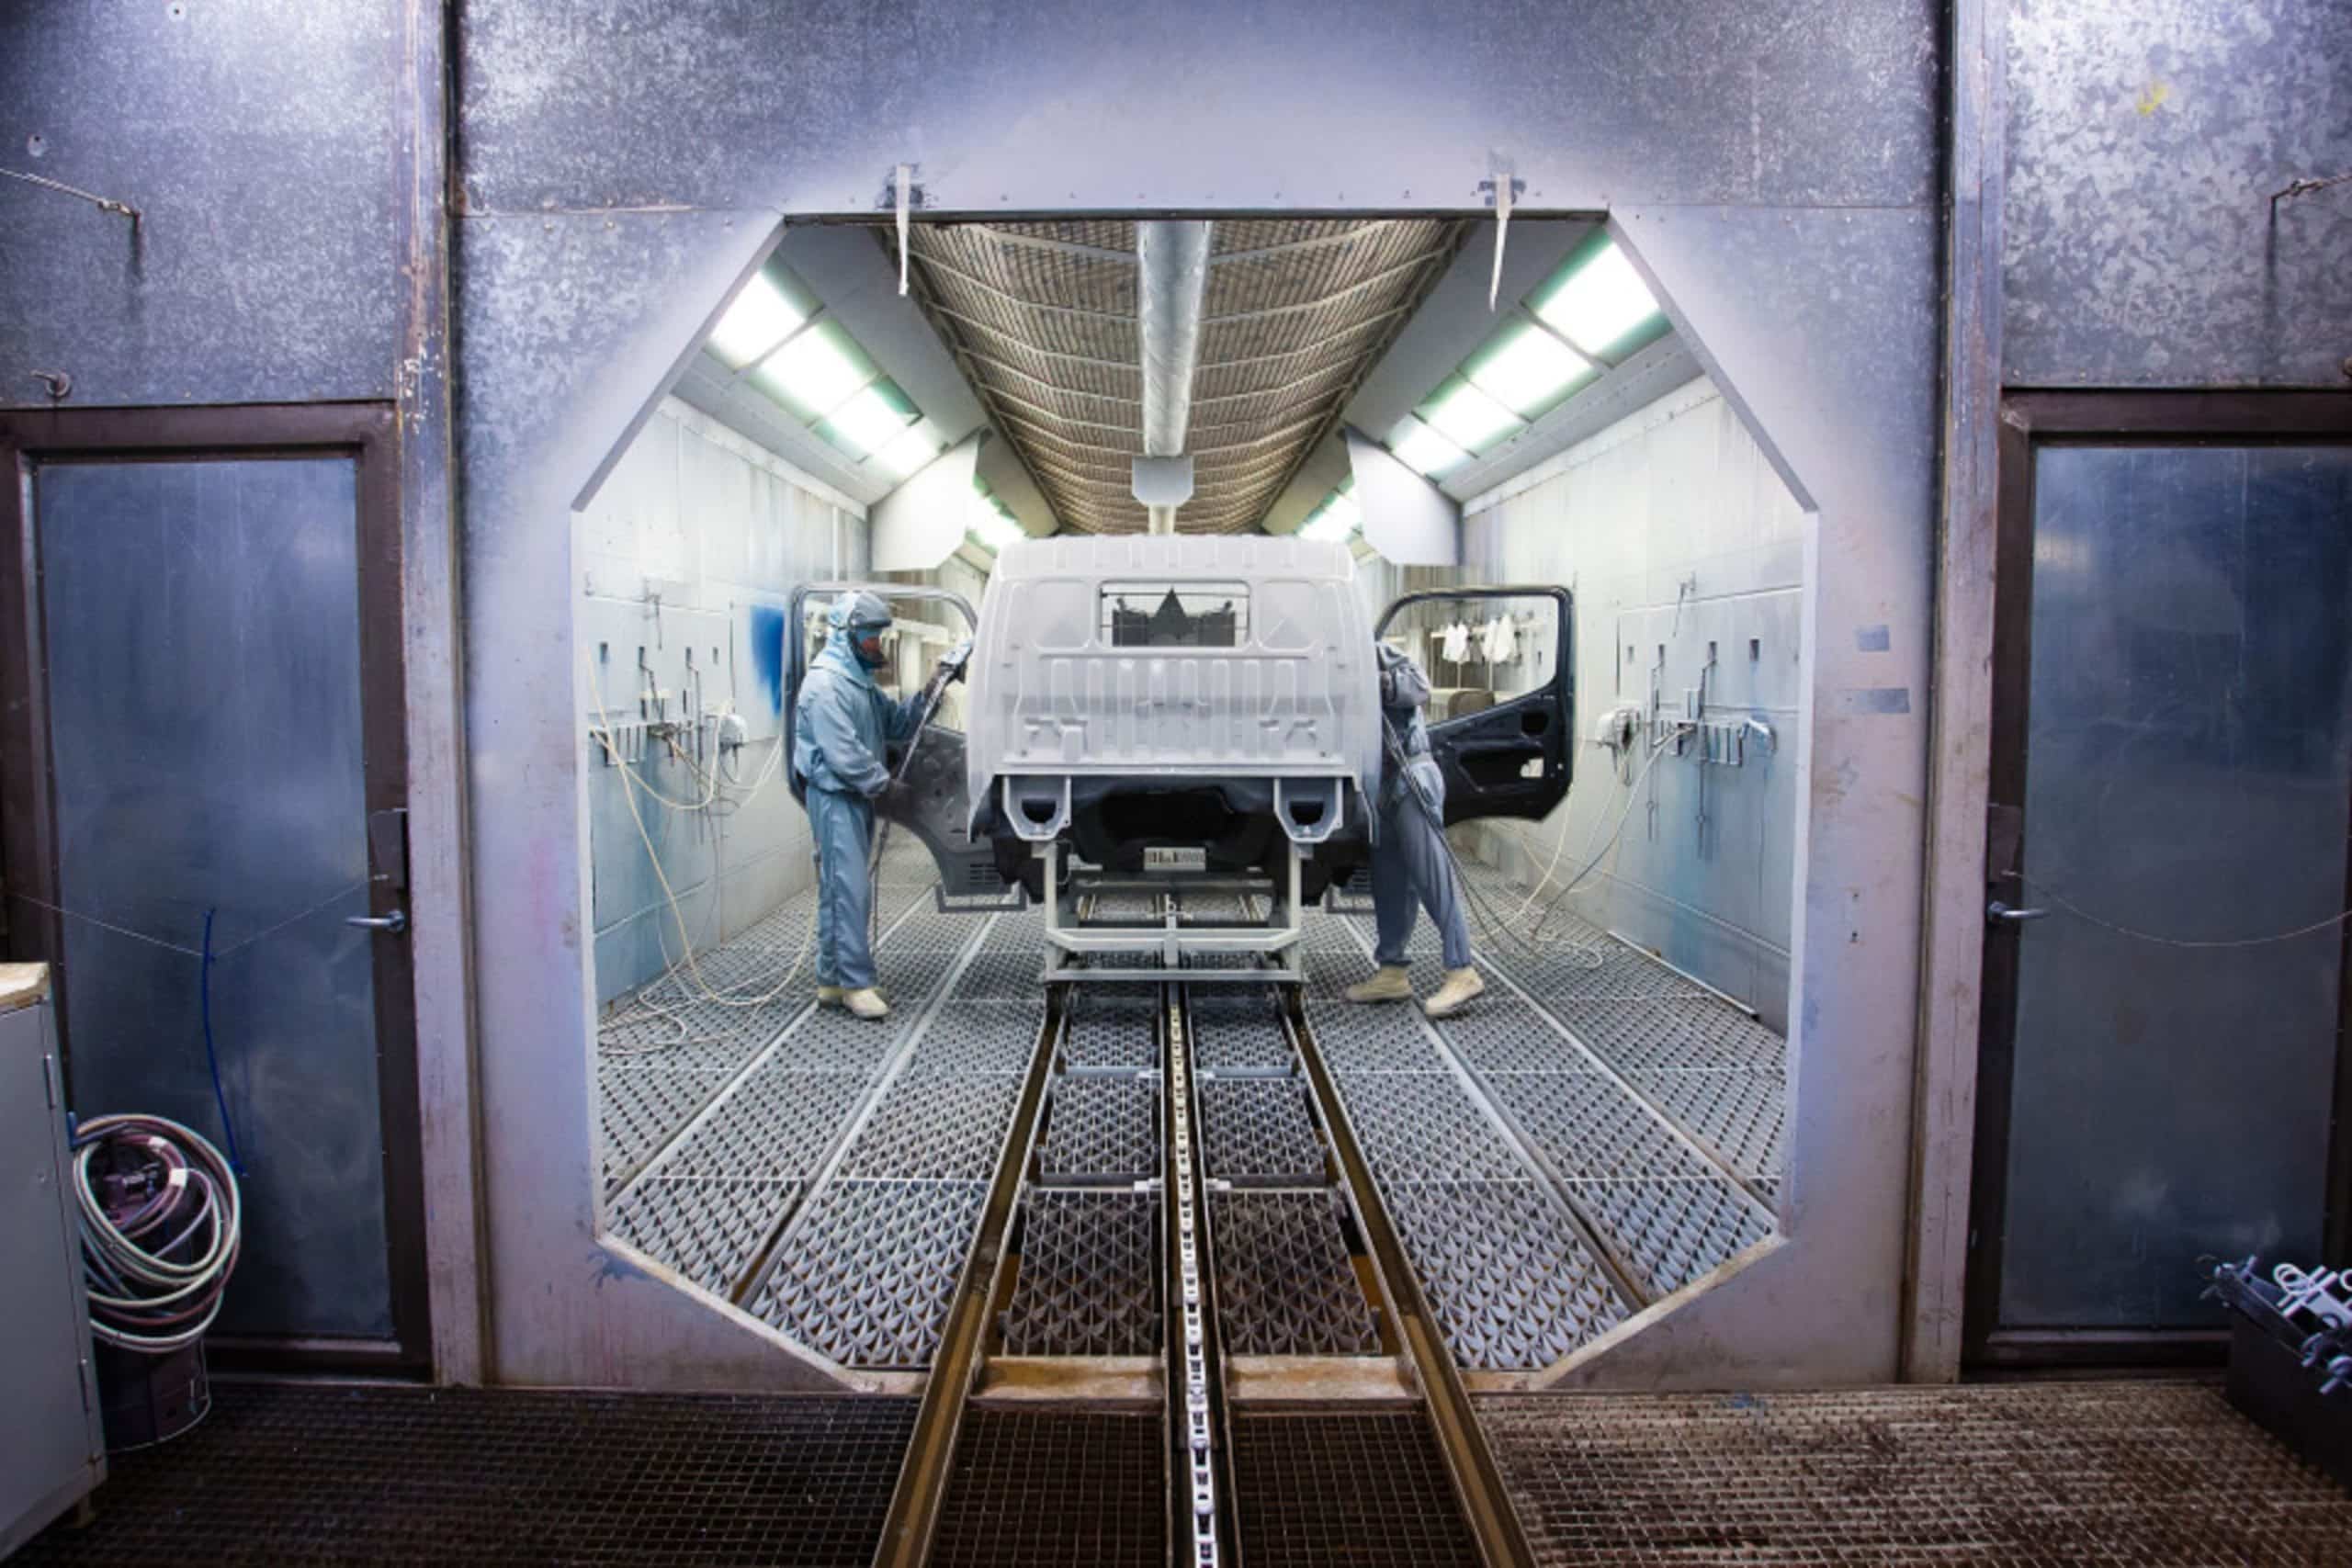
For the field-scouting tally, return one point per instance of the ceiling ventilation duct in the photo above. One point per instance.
(1173, 260)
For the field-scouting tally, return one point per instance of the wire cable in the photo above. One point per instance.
(156, 1261)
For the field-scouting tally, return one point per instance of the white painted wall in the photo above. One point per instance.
(685, 561)
(1675, 537)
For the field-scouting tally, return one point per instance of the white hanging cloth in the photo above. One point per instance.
(1500, 641)
(1456, 646)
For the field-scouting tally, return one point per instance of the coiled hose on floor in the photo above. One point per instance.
(162, 1220)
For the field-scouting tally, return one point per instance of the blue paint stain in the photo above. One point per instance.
(767, 653)
(1873, 639)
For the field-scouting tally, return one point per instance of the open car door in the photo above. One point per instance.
(929, 800)
(1502, 665)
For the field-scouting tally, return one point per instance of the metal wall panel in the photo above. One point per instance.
(2146, 144)
(255, 141)
(203, 649)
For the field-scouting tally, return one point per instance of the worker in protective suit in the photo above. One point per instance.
(841, 725)
(1409, 859)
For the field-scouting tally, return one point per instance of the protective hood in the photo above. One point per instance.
(846, 620)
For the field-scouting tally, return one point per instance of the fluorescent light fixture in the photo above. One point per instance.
(1467, 417)
(1423, 449)
(993, 525)
(759, 320)
(1526, 369)
(872, 418)
(1337, 518)
(817, 371)
(1600, 304)
(910, 451)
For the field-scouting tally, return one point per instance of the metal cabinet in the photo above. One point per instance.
(53, 1446)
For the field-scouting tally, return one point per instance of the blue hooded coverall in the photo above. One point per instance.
(1409, 858)
(841, 726)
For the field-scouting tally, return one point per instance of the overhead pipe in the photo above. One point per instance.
(1172, 258)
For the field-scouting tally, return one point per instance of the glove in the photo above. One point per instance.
(957, 659)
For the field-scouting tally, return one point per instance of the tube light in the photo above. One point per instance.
(1526, 369)
(1467, 416)
(817, 371)
(994, 525)
(760, 318)
(912, 451)
(870, 420)
(1424, 450)
(1601, 303)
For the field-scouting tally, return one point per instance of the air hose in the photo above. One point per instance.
(162, 1220)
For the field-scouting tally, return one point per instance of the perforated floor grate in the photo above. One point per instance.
(1113, 1029)
(1286, 1285)
(1423, 1127)
(772, 1124)
(1055, 1489)
(312, 1475)
(866, 1276)
(1741, 1115)
(936, 1129)
(638, 1112)
(1102, 1128)
(1699, 1033)
(1090, 1275)
(1588, 1126)
(1368, 1490)
(1258, 1131)
(1237, 1030)
(1511, 1283)
(978, 1038)
(709, 1231)
(2062, 1472)
(1670, 1232)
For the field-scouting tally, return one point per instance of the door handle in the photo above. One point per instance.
(396, 921)
(1996, 910)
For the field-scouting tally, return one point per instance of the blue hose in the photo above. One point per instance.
(211, 1058)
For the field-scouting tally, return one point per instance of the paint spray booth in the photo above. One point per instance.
(1822, 731)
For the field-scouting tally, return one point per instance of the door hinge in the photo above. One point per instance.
(388, 847)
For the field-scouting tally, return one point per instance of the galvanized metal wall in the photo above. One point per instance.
(2146, 143)
(1686, 555)
(1775, 171)
(619, 171)
(256, 141)
(686, 558)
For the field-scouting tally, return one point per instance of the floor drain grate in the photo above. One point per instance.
(1285, 1284)
(1258, 1131)
(867, 1276)
(1089, 1284)
(1102, 1128)
(1055, 1489)
(1368, 1489)
(1510, 1282)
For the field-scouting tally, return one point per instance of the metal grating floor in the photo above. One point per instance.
(1090, 1275)
(284, 1473)
(1102, 1128)
(1370, 1491)
(1035, 1487)
(1256, 1131)
(2043, 1474)
(1286, 1285)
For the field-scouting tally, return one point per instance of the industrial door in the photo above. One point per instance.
(1501, 663)
(204, 775)
(2161, 1073)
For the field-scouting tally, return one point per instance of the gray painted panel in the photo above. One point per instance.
(1076, 105)
(205, 726)
(2189, 769)
(2144, 143)
(254, 139)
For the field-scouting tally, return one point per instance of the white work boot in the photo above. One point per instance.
(866, 1003)
(1460, 985)
(828, 996)
(1389, 983)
